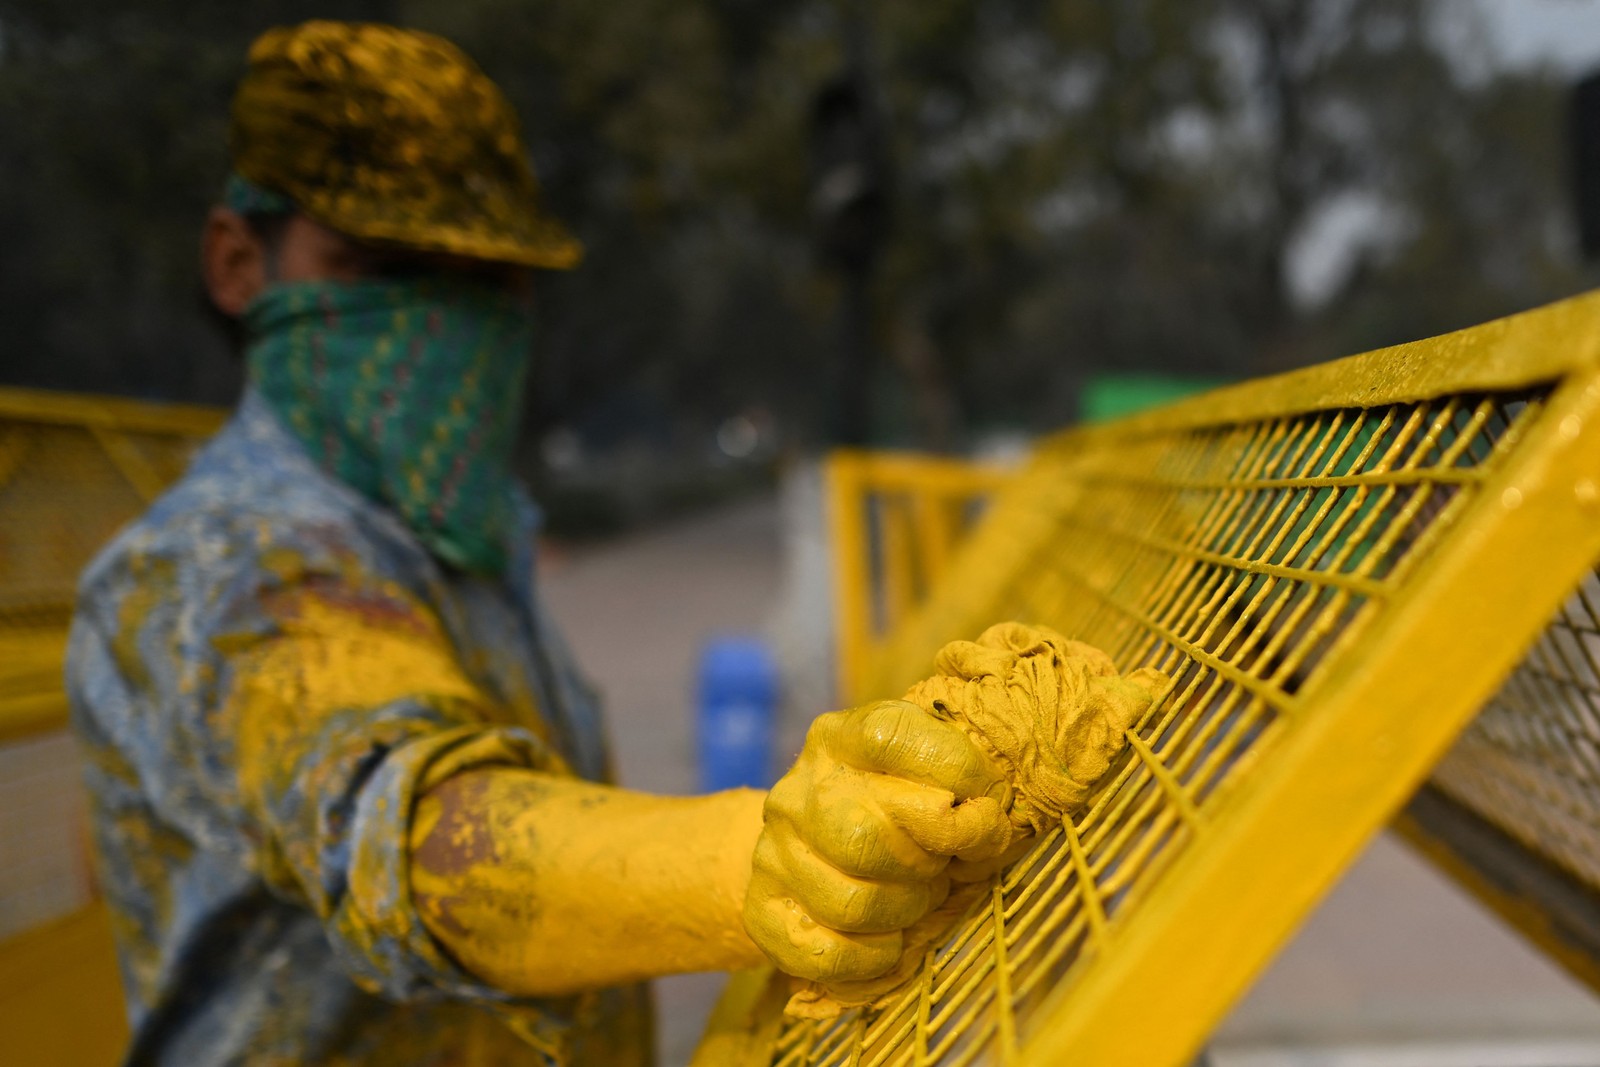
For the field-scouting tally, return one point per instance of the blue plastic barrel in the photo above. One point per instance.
(738, 709)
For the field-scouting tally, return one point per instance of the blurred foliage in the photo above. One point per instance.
(1204, 187)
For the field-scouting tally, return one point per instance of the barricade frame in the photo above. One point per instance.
(1363, 739)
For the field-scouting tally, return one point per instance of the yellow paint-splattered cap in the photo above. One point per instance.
(392, 136)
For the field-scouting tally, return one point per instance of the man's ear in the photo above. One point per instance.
(233, 261)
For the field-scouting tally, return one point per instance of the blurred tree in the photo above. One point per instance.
(1216, 187)
(114, 118)
(1370, 135)
(662, 134)
(1203, 186)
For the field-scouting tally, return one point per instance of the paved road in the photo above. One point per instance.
(1399, 958)
(1397, 968)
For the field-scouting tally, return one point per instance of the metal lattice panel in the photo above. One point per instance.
(63, 498)
(1530, 762)
(1336, 569)
(72, 471)
(1233, 560)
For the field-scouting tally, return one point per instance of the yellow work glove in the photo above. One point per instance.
(1051, 711)
(859, 836)
(1045, 715)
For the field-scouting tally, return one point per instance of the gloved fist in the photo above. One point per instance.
(859, 836)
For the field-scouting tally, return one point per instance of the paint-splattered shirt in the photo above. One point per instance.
(265, 671)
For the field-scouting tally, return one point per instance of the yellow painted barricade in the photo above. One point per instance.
(894, 520)
(1350, 573)
(73, 469)
(61, 996)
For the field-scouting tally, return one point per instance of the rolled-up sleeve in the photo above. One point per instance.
(340, 713)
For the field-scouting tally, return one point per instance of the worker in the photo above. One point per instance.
(350, 793)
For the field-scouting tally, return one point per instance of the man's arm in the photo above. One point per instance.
(443, 850)
(541, 884)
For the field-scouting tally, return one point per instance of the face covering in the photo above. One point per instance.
(408, 390)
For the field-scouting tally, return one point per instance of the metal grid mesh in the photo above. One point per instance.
(71, 473)
(64, 490)
(1530, 762)
(911, 534)
(66, 485)
(907, 514)
(1237, 560)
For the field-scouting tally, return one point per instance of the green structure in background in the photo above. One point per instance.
(1111, 396)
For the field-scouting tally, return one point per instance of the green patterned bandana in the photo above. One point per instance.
(244, 196)
(408, 390)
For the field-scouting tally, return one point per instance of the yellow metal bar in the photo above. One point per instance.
(1340, 481)
(846, 516)
(855, 1045)
(891, 471)
(1353, 583)
(1334, 780)
(898, 589)
(924, 991)
(1516, 352)
(32, 715)
(1336, 568)
(129, 463)
(53, 444)
(1164, 778)
(80, 409)
(1006, 1021)
(931, 528)
(1086, 884)
(31, 698)
(744, 1023)
(61, 995)
(918, 498)
(14, 442)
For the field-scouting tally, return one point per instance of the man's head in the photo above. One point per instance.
(367, 150)
(242, 253)
(375, 244)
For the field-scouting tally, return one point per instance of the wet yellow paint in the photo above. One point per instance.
(334, 651)
(542, 884)
(859, 838)
(1051, 714)
(1054, 712)
(157, 577)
